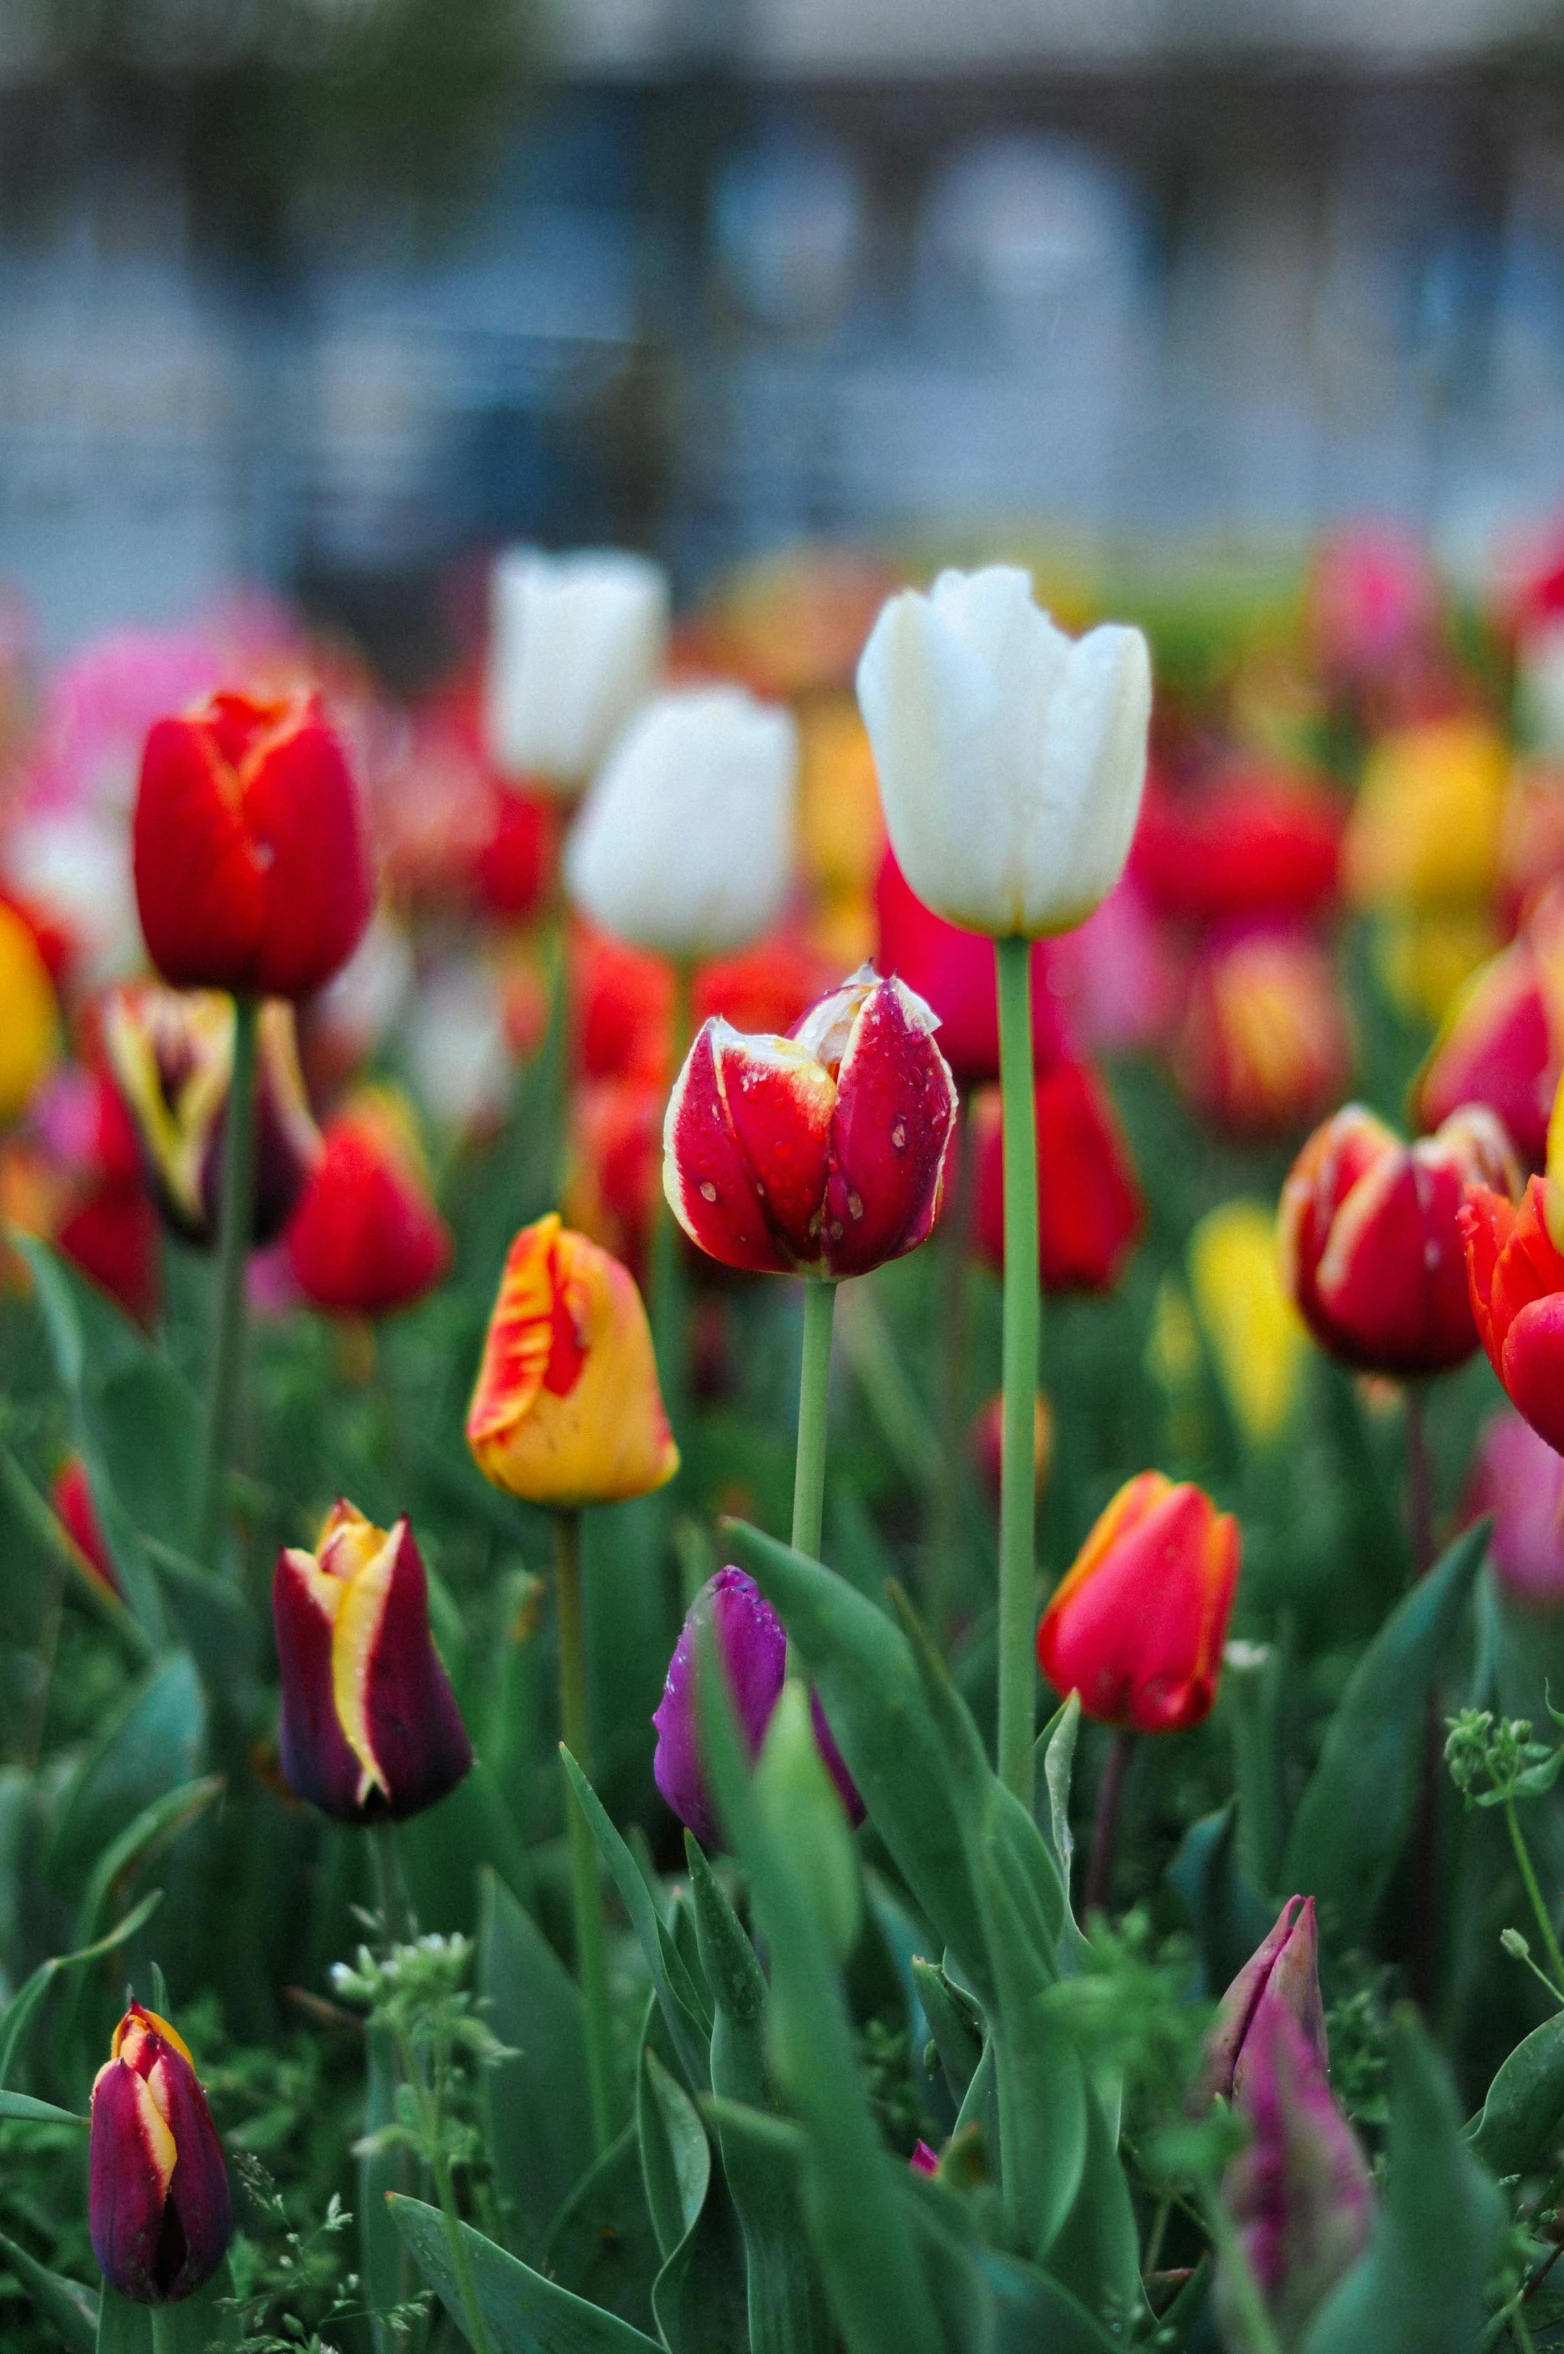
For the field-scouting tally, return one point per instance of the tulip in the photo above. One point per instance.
(1247, 1316)
(1284, 1969)
(986, 1438)
(1137, 1624)
(77, 1514)
(575, 646)
(1520, 1480)
(753, 1649)
(1264, 1046)
(1300, 2193)
(1425, 958)
(1370, 1237)
(1502, 1040)
(158, 2201)
(818, 1154)
(172, 1053)
(510, 871)
(769, 987)
(112, 1236)
(1090, 1212)
(1251, 844)
(1516, 1272)
(93, 1205)
(622, 1003)
(370, 1728)
(953, 972)
(1425, 829)
(684, 844)
(366, 1237)
(29, 1014)
(566, 1410)
(251, 849)
(1010, 759)
(1373, 598)
(612, 1190)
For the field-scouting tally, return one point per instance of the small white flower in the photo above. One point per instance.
(1010, 756)
(575, 646)
(685, 842)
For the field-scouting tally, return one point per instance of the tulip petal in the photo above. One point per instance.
(1392, 1279)
(895, 1109)
(199, 882)
(411, 1726)
(198, 2213)
(306, 821)
(318, 1761)
(709, 1180)
(1533, 1366)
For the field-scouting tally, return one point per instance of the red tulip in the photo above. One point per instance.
(511, 871)
(611, 1194)
(1264, 1047)
(78, 1515)
(1137, 1625)
(953, 971)
(1370, 1237)
(1516, 1272)
(1255, 843)
(816, 1154)
(1089, 1208)
(367, 1237)
(622, 1000)
(251, 850)
(158, 2201)
(1502, 1042)
(769, 987)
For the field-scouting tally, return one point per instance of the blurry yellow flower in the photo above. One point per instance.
(842, 833)
(1425, 832)
(1255, 1334)
(29, 1015)
(1423, 959)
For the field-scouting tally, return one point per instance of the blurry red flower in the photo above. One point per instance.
(612, 1192)
(1516, 1271)
(1502, 1042)
(251, 848)
(1370, 1236)
(1089, 1208)
(367, 1237)
(622, 1000)
(74, 1508)
(1137, 1625)
(511, 871)
(953, 971)
(769, 987)
(1257, 842)
(112, 1235)
(986, 1438)
(1264, 1046)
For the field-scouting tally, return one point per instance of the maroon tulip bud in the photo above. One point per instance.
(1283, 1970)
(370, 1726)
(158, 2201)
(753, 1649)
(1300, 2192)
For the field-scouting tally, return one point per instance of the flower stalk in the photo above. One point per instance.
(586, 1887)
(233, 1247)
(814, 1385)
(1022, 1329)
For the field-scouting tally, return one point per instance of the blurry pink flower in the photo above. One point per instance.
(1520, 1480)
(1113, 978)
(1372, 595)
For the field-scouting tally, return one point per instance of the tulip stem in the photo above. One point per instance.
(1550, 1943)
(1022, 1331)
(1420, 1485)
(390, 1890)
(165, 2328)
(1105, 1825)
(233, 1248)
(814, 1390)
(586, 1885)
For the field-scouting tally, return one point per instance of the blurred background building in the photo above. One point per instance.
(333, 294)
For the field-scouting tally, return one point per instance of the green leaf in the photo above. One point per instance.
(383, 2265)
(1419, 2287)
(957, 2032)
(682, 2006)
(19, 2011)
(1032, 2311)
(523, 2312)
(699, 2295)
(602, 2246)
(1522, 2120)
(70, 2309)
(807, 1815)
(538, 2104)
(1228, 1918)
(1354, 1816)
(763, 2160)
(154, 1829)
(154, 1742)
(675, 2154)
(26, 2110)
(210, 1617)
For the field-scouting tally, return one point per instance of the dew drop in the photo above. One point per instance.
(708, 1190)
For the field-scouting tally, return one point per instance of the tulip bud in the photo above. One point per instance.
(1424, 830)
(1089, 1207)
(370, 1727)
(1010, 759)
(1256, 842)
(685, 841)
(29, 1014)
(817, 1154)
(158, 2200)
(953, 972)
(923, 2159)
(575, 646)
(367, 1238)
(1251, 1326)
(752, 1647)
(1502, 1040)
(251, 849)
(1520, 1480)
(1283, 1969)
(806, 1813)
(566, 1410)
(1137, 1625)
(1300, 2193)
(1264, 1046)
(78, 1516)
(171, 1050)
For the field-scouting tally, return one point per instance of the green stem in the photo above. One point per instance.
(1528, 1875)
(390, 1888)
(165, 2329)
(667, 1280)
(586, 1886)
(814, 1387)
(236, 1223)
(1022, 1330)
(431, 2132)
(467, 2286)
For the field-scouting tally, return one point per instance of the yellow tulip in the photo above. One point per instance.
(29, 1015)
(1255, 1334)
(1426, 829)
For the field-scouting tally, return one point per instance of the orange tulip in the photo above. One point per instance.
(567, 1410)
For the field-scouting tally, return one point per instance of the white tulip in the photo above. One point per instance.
(1010, 757)
(685, 842)
(575, 647)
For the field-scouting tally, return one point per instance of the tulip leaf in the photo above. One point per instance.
(1418, 2289)
(1032, 2310)
(682, 2006)
(860, 2236)
(957, 2032)
(155, 1741)
(1228, 1918)
(1357, 1809)
(27, 2111)
(699, 2297)
(70, 2309)
(383, 2263)
(523, 2312)
(1522, 2121)
(675, 2154)
(537, 2104)
(763, 2158)
(29, 1528)
(872, 1693)
(601, 2245)
(19, 2011)
(209, 1616)
(155, 1828)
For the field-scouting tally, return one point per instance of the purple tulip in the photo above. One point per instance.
(1300, 2192)
(158, 2201)
(1520, 1480)
(753, 1649)
(1282, 1973)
